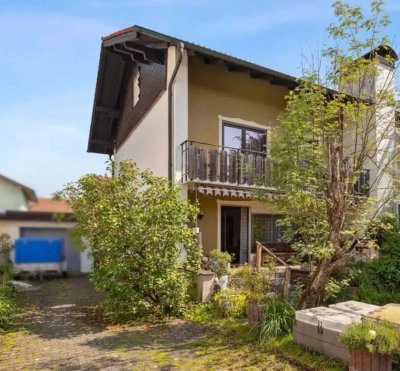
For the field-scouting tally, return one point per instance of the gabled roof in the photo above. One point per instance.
(28, 192)
(383, 51)
(140, 45)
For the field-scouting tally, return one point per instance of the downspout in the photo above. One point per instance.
(171, 82)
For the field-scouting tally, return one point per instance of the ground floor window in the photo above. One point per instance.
(265, 229)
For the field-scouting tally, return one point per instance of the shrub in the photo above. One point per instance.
(256, 284)
(231, 303)
(278, 319)
(219, 262)
(137, 228)
(203, 313)
(6, 266)
(373, 336)
(8, 306)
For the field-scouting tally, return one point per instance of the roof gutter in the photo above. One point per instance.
(180, 45)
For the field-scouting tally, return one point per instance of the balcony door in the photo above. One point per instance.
(234, 233)
(240, 137)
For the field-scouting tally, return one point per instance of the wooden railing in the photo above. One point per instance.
(202, 162)
(259, 263)
(291, 272)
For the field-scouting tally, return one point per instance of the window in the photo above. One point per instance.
(239, 137)
(265, 229)
(361, 187)
(136, 88)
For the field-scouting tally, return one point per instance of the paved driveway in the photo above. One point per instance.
(61, 330)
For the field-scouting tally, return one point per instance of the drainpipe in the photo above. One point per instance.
(180, 47)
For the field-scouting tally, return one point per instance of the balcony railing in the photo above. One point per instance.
(202, 162)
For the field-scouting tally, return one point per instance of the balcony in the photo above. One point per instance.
(207, 163)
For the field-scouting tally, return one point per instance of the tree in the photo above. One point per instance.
(137, 228)
(337, 125)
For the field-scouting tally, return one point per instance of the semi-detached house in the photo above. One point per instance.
(199, 117)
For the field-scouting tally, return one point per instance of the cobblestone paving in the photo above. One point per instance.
(61, 330)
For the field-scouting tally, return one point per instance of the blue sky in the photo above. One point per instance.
(49, 56)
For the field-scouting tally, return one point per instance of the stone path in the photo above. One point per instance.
(61, 330)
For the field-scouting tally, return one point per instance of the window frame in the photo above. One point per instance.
(243, 129)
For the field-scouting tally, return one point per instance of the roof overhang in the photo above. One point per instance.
(138, 45)
(37, 216)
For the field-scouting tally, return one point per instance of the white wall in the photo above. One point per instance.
(12, 197)
(180, 113)
(147, 144)
(385, 135)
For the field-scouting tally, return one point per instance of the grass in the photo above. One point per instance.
(289, 350)
(231, 344)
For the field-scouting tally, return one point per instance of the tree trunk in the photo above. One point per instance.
(320, 278)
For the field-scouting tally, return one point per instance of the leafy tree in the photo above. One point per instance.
(137, 228)
(336, 124)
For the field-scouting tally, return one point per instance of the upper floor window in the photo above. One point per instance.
(136, 88)
(362, 185)
(245, 138)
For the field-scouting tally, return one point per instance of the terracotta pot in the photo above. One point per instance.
(362, 360)
(255, 313)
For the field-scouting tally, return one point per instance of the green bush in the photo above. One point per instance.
(8, 306)
(231, 303)
(203, 313)
(375, 337)
(137, 227)
(6, 266)
(378, 280)
(278, 319)
(256, 284)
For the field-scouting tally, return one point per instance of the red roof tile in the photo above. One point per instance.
(48, 205)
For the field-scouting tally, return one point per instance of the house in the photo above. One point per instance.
(198, 117)
(23, 214)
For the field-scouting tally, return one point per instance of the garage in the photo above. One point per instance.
(72, 254)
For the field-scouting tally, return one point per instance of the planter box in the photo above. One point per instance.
(355, 307)
(319, 329)
(389, 313)
(255, 313)
(205, 285)
(362, 360)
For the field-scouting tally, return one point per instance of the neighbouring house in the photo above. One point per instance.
(198, 117)
(22, 214)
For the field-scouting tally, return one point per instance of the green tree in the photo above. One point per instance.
(336, 124)
(137, 228)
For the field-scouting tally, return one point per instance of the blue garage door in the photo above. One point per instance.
(72, 255)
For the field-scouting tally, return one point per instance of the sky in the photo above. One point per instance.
(49, 54)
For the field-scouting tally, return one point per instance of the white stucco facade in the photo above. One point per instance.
(12, 197)
(147, 144)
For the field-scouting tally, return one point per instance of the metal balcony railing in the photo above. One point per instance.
(202, 162)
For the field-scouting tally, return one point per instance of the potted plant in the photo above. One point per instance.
(371, 345)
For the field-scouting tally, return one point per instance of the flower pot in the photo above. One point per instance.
(362, 360)
(255, 313)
